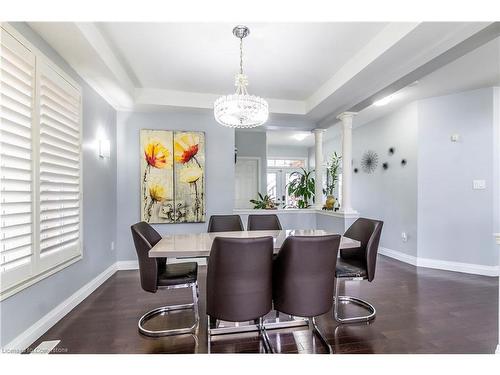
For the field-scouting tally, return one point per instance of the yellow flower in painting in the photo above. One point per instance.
(157, 193)
(189, 175)
(185, 147)
(157, 155)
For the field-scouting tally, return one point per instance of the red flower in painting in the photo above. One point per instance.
(185, 147)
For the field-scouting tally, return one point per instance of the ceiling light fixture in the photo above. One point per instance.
(241, 110)
(300, 136)
(384, 101)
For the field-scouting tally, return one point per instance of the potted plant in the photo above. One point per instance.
(302, 187)
(264, 202)
(332, 176)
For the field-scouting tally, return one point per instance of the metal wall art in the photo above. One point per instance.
(369, 162)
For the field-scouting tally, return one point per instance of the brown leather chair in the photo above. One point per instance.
(358, 264)
(263, 222)
(225, 223)
(156, 274)
(239, 282)
(303, 280)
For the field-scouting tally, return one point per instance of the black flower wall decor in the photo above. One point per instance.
(385, 165)
(392, 150)
(369, 161)
(355, 170)
(403, 162)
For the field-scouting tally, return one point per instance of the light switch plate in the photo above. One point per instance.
(479, 184)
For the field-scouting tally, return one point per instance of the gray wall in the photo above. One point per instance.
(389, 195)
(287, 151)
(254, 144)
(219, 159)
(23, 309)
(454, 221)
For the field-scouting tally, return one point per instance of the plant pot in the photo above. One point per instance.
(330, 202)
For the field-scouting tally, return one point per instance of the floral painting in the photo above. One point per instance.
(173, 176)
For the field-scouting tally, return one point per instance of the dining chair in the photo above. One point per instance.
(239, 283)
(303, 280)
(263, 222)
(358, 264)
(156, 274)
(225, 223)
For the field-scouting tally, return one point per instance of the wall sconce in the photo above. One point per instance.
(104, 148)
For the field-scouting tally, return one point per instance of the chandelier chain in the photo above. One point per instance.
(241, 55)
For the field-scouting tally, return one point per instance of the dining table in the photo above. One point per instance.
(198, 245)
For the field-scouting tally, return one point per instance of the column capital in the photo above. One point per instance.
(345, 115)
(318, 130)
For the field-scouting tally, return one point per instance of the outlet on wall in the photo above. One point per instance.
(112, 246)
(404, 237)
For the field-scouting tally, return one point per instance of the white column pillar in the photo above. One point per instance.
(319, 167)
(346, 118)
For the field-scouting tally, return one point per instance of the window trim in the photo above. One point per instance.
(42, 59)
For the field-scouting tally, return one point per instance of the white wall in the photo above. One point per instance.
(455, 222)
(219, 165)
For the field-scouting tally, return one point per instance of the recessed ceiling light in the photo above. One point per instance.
(384, 101)
(300, 136)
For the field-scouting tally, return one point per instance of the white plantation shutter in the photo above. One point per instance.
(40, 166)
(17, 88)
(59, 168)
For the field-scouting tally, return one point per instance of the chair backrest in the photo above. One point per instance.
(225, 223)
(239, 278)
(145, 237)
(263, 222)
(366, 231)
(304, 273)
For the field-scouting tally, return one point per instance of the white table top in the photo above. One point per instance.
(199, 244)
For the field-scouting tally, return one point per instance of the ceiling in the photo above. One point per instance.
(282, 60)
(289, 138)
(476, 69)
(308, 72)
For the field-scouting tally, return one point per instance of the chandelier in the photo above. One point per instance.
(241, 110)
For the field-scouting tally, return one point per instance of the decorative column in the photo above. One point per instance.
(318, 160)
(346, 118)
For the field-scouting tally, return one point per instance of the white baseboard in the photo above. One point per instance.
(498, 349)
(34, 332)
(398, 255)
(476, 269)
(124, 265)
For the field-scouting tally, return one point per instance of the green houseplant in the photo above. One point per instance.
(302, 187)
(264, 202)
(332, 176)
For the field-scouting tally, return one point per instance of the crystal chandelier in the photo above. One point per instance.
(241, 110)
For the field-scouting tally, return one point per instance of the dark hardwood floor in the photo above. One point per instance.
(418, 311)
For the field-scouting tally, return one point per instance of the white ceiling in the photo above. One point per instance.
(476, 69)
(287, 138)
(309, 72)
(282, 60)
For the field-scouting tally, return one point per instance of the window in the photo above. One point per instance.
(286, 163)
(40, 166)
(279, 175)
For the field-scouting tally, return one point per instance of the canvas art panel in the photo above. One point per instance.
(172, 176)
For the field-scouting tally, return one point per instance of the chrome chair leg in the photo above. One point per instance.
(315, 330)
(357, 301)
(263, 333)
(166, 309)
